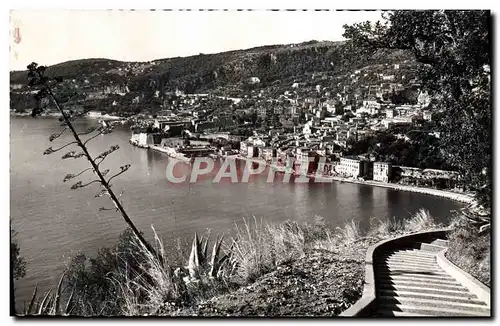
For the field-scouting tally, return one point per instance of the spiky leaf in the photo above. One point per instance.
(194, 261)
(42, 306)
(32, 301)
(58, 295)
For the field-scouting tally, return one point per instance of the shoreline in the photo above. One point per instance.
(460, 197)
(90, 115)
(170, 152)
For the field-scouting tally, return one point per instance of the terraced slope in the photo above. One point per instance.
(409, 282)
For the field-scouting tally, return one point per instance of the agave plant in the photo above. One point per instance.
(200, 264)
(51, 302)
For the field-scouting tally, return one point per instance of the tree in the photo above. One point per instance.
(45, 87)
(18, 264)
(453, 49)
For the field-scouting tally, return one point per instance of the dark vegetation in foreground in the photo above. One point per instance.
(470, 249)
(286, 269)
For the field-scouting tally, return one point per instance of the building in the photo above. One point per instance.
(355, 167)
(139, 139)
(252, 151)
(302, 154)
(382, 171)
(204, 125)
(389, 113)
(269, 153)
(427, 115)
(262, 112)
(279, 110)
(350, 166)
(243, 148)
(397, 121)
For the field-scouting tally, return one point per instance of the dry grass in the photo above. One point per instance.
(350, 232)
(470, 250)
(154, 285)
(383, 228)
(421, 220)
(259, 247)
(136, 282)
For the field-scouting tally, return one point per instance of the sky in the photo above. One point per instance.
(52, 36)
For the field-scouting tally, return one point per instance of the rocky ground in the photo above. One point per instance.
(322, 283)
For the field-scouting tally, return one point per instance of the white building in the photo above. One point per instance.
(349, 166)
(254, 80)
(427, 115)
(389, 113)
(140, 139)
(423, 99)
(307, 128)
(397, 121)
(243, 148)
(382, 171)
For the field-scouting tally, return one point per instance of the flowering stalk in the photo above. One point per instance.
(36, 73)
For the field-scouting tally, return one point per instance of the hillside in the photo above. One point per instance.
(146, 84)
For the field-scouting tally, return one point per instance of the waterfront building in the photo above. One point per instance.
(268, 153)
(252, 151)
(244, 148)
(350, 166)
(382, 171)
(139, 139)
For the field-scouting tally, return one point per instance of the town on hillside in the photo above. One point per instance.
(370, 123)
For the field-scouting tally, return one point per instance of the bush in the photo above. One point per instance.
(17, 263)
(470, 250)
(421, 220)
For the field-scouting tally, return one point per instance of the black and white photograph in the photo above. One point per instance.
(250, 163)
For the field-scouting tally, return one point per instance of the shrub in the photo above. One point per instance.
(350, 232)
(470, 249)
(421, 220)
(17, 263)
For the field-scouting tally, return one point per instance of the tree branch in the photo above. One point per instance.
(71, 176)
(99, 133)
(124, 169)
(50, 150)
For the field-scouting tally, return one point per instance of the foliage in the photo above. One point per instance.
(470, 249)
(453, 47)
(51, 303)
(17, 263)
(225, 72)
(421, 149)
(199, 263)
(421, 220)
(350, 232)
(127, 279)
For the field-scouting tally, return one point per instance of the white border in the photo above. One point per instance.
(146, 4)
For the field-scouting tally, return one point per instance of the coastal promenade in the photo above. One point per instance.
(170, 152)
(460, 197)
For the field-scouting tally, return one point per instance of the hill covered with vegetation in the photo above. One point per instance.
(105, 81)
